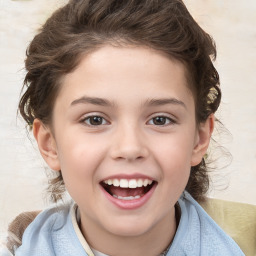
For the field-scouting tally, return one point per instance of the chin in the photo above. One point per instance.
(129, 228)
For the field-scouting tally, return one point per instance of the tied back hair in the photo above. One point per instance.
(83, 26)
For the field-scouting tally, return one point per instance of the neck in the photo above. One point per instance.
(152, 242)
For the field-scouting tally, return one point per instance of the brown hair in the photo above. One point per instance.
(82, 26)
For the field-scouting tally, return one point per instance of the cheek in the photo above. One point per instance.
(176, 151)
(79, 159)
(78, 149)
(175, 165)
(174, 159)
(175, 168)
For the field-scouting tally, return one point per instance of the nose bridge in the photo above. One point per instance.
(129, 142)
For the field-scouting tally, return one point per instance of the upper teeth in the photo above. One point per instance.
(124, 183)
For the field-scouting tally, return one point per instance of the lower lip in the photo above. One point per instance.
(130, 204)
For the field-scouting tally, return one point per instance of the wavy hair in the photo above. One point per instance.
(83, 26)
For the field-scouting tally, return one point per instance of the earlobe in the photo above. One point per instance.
(46, 144)
(203, 139)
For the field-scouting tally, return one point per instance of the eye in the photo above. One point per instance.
(161, 121)
(94, 121)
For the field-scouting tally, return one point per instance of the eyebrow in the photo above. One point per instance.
(165, 101)
(92, 100)
(107, 103)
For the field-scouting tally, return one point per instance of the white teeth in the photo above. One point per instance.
(108, 182)
(125, 183)
(132, 183)
(145, 182)
(127, 198)
(140, 183)
(116, 183)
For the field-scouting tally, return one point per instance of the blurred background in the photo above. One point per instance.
(232, 24)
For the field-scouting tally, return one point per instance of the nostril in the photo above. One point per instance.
(129, 153)
(129, 144)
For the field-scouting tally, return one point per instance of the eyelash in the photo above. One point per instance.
(167, 120)
(89, 119)
(102, 121)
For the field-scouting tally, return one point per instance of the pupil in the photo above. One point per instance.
(159, 120)
(96, 120)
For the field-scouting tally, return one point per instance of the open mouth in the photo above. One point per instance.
(128, 189)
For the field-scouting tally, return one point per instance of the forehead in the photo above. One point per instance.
(137, 72)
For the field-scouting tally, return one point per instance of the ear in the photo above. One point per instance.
(46, 144)
(202, 141)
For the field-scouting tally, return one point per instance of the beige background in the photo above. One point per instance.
(232, 24)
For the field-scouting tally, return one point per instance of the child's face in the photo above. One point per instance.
(125, 115)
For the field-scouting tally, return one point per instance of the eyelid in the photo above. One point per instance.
(171, 118)
(93, 114)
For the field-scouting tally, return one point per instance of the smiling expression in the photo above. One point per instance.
(125, 137)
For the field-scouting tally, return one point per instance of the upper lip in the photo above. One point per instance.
(128, 181)
(135, 176)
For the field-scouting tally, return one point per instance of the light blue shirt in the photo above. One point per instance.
(52, 233)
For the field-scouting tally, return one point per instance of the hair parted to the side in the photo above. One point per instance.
(82, 26)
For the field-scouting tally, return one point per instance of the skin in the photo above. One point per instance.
(137, 85)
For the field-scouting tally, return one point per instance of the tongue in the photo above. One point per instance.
(125, 192)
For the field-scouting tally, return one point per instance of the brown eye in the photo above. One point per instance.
(160, 121)
(95, 120)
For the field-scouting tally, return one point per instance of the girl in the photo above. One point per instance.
(121, 97)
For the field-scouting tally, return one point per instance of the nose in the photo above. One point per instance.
(129, 144)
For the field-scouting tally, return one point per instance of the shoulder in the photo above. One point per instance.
(46, 223)
(29, 226)
(51, 233)
(198, 234)
(51, 218)
(237, 219)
